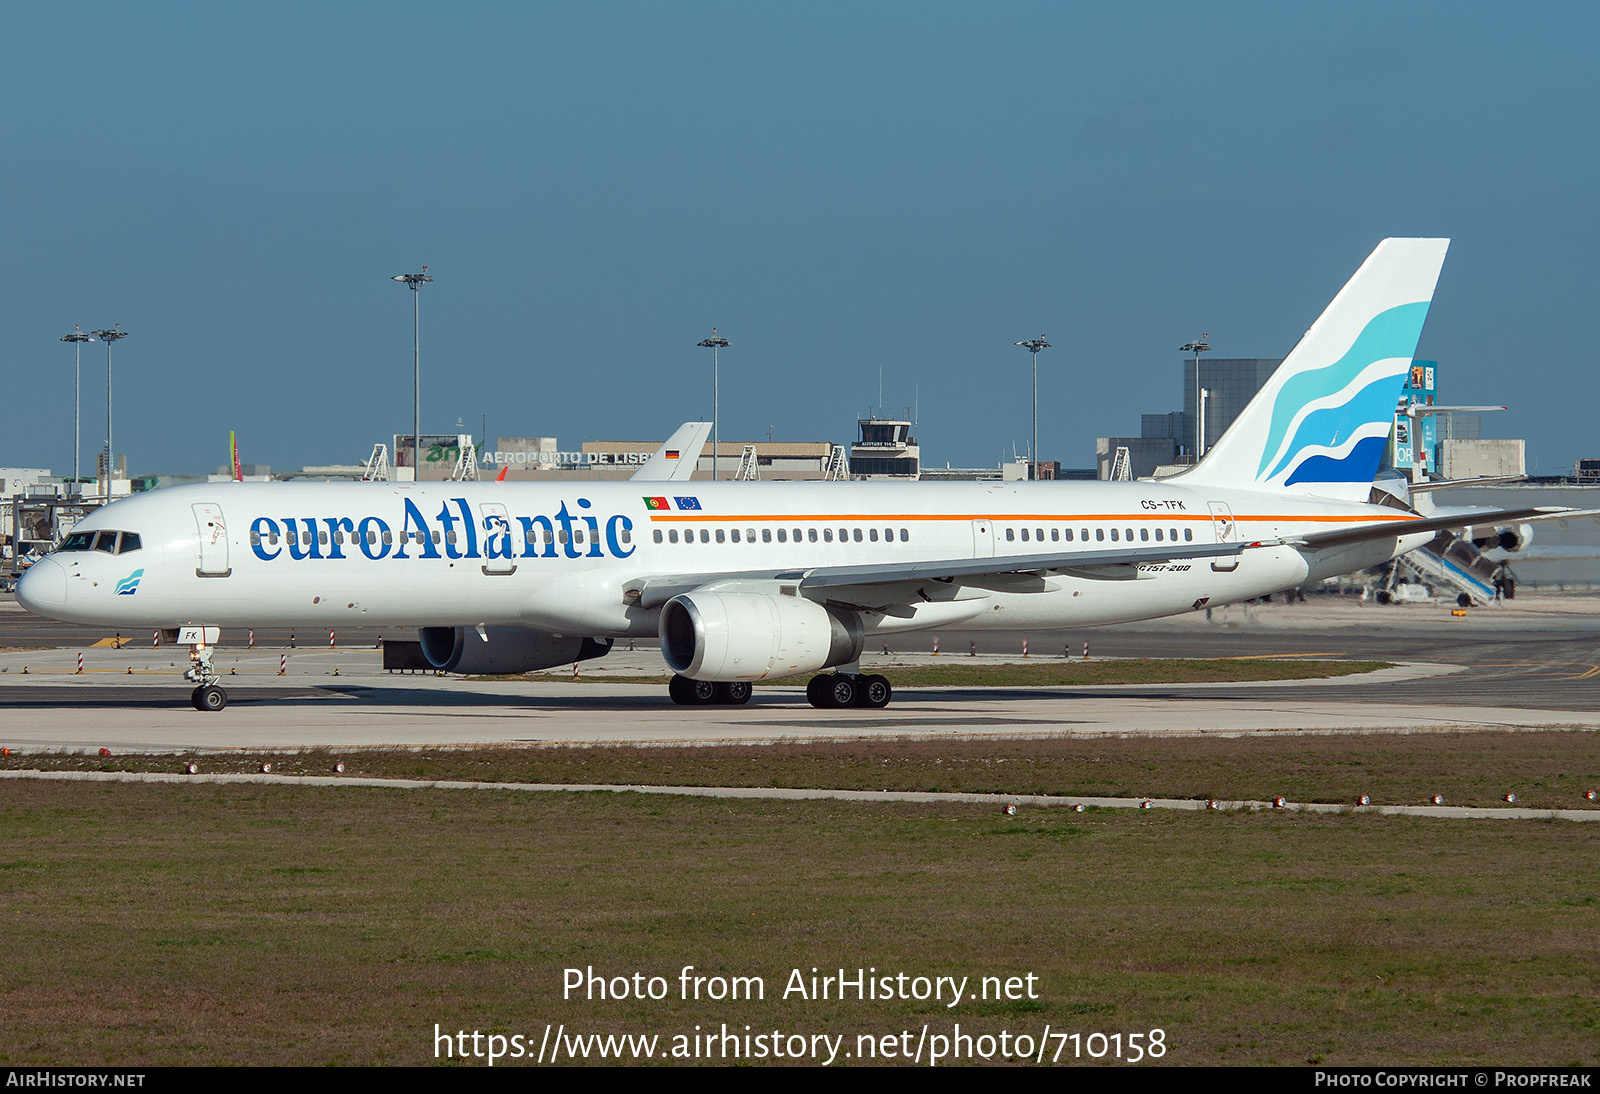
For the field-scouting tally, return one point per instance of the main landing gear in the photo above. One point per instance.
(698, 693)
(829, 691)
(208, 696)
(842, 689)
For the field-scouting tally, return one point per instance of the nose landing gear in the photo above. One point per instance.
(208, 696)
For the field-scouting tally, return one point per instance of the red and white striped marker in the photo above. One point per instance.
(574, 670)
(936, 645)
(1024, 647)
(155, 640)
(80, 664)
(330, 638)
(283, 664)
(252, 642)
(1086, 649)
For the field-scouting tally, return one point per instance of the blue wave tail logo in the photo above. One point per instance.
(1331, 424)
(130, 584)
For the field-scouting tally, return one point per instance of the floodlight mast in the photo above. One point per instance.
(108, 337)
(414, 282)
(77, 336)
(1197, 348)
(1033, 346)
(715, 344)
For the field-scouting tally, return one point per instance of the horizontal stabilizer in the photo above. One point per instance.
(1393, 529)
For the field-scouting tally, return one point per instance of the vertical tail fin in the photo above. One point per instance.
(1324, 416)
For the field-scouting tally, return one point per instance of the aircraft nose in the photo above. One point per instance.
(43, 589)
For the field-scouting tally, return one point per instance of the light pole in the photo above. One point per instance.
(1197, 348)
(77, 336)
(1033, 346)
(108, 337)
(715, 344)
(415, 282)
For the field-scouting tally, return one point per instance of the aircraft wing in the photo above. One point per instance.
(675, 461)
(653, 592)
(1433, 524)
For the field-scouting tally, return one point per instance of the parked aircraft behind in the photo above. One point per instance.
(745, 581)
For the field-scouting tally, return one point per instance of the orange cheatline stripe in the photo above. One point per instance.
(1065, 518)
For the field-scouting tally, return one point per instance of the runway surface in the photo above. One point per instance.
(1524, 665)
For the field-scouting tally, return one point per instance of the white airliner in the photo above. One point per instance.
(744, 581)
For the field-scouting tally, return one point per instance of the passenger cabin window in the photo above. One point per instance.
(905, 535)
(722, 537)
(735, 536)
(1024, 535)
(672, 535)
(811, 534)
(1011, 533)
(749, 535)
(657, 535)
(766, 535)
(1069, 535)
(1188, 534)
(873, 535)
(1144, 534)
(1158, 535)
(783, 535)
(1100, 534)
(827, 535)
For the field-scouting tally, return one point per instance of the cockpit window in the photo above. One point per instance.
(102, 541)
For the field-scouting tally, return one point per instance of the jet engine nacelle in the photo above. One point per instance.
(753, 636)
(503, 649)
(1511, 538)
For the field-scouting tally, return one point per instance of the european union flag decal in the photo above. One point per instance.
(687, 503)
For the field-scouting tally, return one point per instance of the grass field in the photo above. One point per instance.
(206, 924)
(1549, 769)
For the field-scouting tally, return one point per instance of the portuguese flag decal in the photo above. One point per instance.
(656, 503)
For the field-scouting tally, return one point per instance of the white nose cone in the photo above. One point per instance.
(43, 589)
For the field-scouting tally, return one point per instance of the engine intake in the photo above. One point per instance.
(754, 636)
(506, 650)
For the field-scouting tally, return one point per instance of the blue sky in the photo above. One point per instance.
(836, 187)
